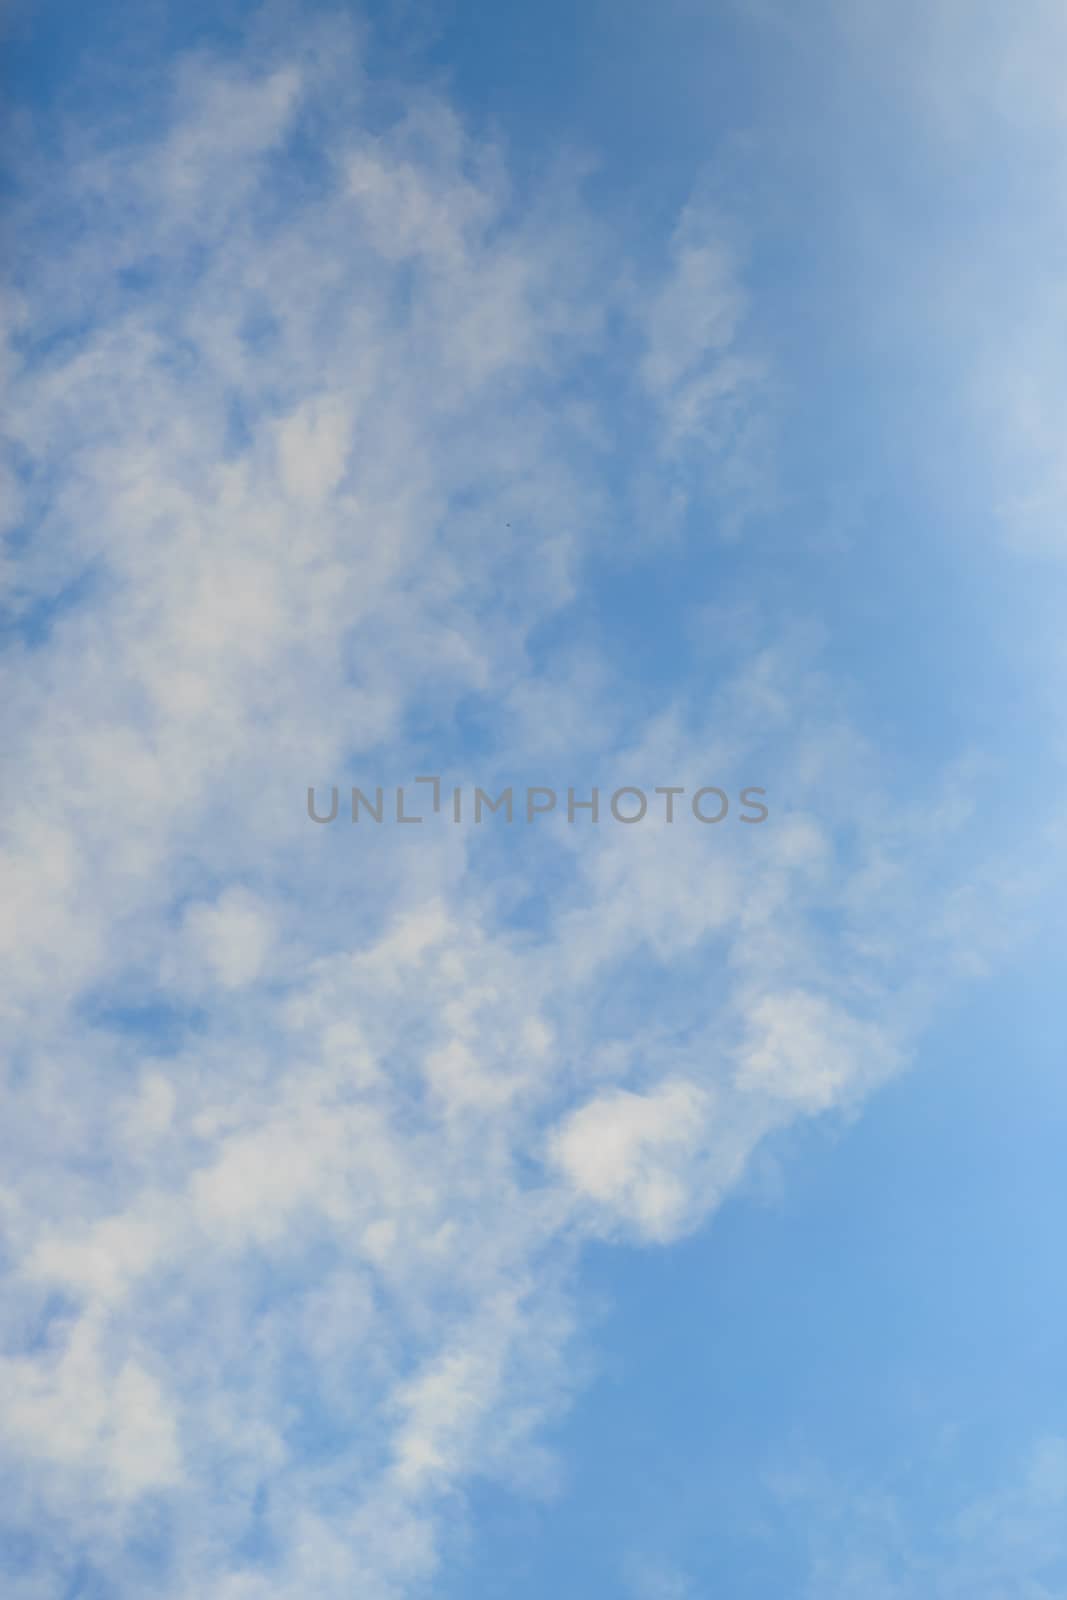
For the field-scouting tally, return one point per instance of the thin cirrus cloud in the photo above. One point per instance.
(304, 1138)
(1003, 1539)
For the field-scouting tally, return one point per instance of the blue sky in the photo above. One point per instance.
(582, 397)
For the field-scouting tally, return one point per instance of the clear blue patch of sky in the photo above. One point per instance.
(896, 1319)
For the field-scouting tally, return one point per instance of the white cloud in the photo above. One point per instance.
(72, 1410)
(627, 1152)
(232, 937)
(801, 1048)
(708, 385)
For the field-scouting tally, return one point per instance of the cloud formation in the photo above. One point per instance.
(304, 1132)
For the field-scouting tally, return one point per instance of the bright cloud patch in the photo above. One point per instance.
(629, 1152)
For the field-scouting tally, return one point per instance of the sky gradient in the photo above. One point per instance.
(597, 397)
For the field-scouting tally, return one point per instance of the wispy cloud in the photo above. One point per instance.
(1007, 1538)
(304, 1131)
